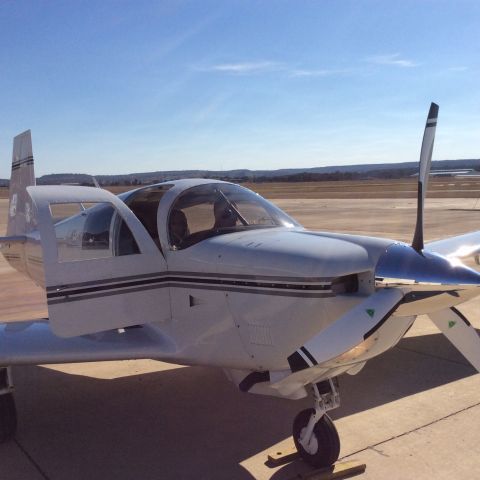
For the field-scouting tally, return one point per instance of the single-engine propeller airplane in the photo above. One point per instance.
(204, 272)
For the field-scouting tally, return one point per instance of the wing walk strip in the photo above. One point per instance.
(263, 285)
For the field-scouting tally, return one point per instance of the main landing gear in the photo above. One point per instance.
(314, 433)
(8, 412)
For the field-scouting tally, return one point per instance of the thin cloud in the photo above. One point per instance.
(174, 43)
(316, 73)
(458, 69)
(394, 60)
(245, 68)
(256, 68)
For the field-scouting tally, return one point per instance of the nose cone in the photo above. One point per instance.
(402, 266)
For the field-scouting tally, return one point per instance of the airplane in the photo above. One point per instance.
(205, 272)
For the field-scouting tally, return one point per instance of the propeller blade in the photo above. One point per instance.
(349, 330)
(459, 331)
(423, 173)
(461, 246)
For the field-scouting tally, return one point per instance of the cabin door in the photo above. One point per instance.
(102, 269)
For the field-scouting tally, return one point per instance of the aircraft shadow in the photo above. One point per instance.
(191, 423)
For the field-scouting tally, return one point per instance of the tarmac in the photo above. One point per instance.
(413, 412)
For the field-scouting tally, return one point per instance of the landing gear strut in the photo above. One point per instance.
(8, 412)
(314, 433)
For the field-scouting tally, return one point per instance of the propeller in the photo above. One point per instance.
(408, 277)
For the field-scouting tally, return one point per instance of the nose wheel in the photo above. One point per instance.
(323, 448)
(314, 434)
(8, 412)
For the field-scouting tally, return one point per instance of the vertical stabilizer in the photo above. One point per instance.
(20, 213)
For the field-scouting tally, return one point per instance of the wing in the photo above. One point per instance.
(33, 343)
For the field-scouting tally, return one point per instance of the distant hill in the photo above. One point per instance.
(342, 172)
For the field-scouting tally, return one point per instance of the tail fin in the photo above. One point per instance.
(20, 213)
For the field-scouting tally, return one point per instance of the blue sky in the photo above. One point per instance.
(125, 86)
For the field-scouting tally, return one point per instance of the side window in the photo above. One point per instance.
(253, 212)
(214, 209)
(96, 231)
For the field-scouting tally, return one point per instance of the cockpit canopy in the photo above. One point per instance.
(213, 209)
(86, 231)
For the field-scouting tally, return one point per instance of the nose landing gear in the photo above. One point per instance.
(314, 433)
(8, 412)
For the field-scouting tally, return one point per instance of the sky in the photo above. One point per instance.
(130, 86)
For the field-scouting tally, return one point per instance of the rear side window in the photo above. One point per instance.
(95, 232)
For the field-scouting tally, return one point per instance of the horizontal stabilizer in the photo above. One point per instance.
(34, 343)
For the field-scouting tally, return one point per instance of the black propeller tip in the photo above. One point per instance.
(433, 112)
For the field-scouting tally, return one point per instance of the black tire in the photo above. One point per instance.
(326, 436)
(8, 417)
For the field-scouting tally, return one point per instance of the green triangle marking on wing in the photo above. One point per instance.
(370, 312)
(451, 324)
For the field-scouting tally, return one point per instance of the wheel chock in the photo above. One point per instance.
(338, 471)
(282, 456)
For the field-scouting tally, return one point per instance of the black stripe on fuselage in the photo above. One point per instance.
(68, 298)
(186, 280)
(261, 278)
(90, 296)
(57, 295)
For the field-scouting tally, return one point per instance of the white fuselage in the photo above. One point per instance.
(242, 300)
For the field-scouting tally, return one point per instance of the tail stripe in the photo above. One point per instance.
(25, 161)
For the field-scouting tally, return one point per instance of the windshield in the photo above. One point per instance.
(219, 208)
